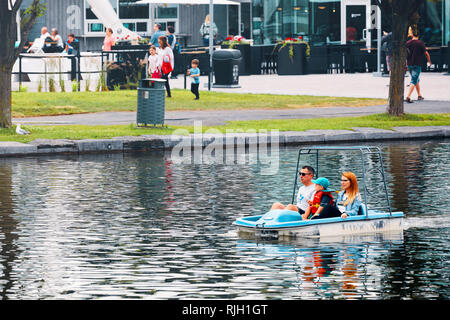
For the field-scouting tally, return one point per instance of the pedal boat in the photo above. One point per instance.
(287, 223)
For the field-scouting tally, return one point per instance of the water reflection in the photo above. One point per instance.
(331, 267)
(140, 226)
(8, 227)
(412, 166)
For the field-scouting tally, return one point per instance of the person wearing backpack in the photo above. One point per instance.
(171, 39)
(206, 32)
(168, 63)
(174, 45)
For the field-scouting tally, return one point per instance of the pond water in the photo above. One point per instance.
(140, 226)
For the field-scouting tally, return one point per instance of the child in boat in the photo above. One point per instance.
(322, 199)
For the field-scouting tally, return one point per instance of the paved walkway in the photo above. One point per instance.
(435, 88)
(210, 118)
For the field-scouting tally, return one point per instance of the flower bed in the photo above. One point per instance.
(232, 41)
(292, 56)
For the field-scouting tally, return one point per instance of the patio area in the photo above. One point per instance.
(362, 85)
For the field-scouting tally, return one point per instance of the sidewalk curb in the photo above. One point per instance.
(168, 142)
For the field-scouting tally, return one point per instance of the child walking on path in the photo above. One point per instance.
(194, 73)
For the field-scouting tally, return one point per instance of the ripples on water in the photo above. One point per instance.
(139, 226)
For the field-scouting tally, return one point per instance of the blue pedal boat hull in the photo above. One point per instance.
(286, 223)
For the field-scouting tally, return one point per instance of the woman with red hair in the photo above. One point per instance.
(349, 199)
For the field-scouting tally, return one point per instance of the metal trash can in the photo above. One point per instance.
(151, 102)
(226, 67)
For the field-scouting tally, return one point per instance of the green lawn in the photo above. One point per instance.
(381, 121)
(76, 132)
(27, 104)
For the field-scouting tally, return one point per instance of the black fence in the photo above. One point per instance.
(257, 59)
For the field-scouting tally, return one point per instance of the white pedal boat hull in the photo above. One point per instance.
(288, 224)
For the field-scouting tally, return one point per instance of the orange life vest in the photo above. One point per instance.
(317, 199)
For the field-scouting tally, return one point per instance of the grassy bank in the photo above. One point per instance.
(380, 121)
(28, 104)
(77, 132)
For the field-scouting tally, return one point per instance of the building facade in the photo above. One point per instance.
(76, 16)
(264, 21)
(339, 21)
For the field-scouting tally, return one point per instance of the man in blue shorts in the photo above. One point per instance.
(416, 51)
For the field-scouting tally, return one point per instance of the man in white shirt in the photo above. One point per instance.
(39, 43)
(305, 192)
(44, 33)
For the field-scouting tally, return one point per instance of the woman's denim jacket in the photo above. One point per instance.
(352, 208)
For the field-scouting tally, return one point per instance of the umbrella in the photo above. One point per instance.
(106, 14)
(189, 1)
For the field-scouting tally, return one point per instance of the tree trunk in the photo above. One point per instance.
(8, 50)
(5, 97)
(398, 65)
(7, 59)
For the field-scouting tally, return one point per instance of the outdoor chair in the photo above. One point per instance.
(37, 46)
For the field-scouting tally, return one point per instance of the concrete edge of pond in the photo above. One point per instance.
(168, 142)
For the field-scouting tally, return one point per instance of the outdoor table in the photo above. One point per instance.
(437, 59)
(183, 37)
(186, 58)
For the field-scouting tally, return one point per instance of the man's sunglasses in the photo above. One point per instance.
(304, 174)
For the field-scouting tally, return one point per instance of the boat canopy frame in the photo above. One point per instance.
(364, 151)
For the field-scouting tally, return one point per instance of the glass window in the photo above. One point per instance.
(434, 23)
(325, 25)
(165, 24)
(167, 11)
(245, 20)
(233, 21)
(298, 23)
(130, 26)
(133, 15)
(430, 24)
(446, 28)
(267, 20)
(95, 27)
(320, 21)
(129, 9)
(258, 21)
(141, 27)
(91, 16)
(279, 19)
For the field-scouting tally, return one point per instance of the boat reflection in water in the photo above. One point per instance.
(347, 266)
